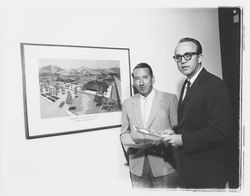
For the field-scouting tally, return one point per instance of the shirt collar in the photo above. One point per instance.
(150, 95)
(195, 76)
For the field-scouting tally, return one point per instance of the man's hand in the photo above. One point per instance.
(137, 137)
(166, 132)
(175, 140)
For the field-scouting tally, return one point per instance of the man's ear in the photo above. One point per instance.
(153, 79)
(200, 58)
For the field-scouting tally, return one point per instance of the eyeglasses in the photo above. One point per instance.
(187, 56)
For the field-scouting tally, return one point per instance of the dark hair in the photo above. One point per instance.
(196, 42)
(143, 65)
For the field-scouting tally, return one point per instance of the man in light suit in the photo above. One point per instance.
(151, 161)
(204, 122)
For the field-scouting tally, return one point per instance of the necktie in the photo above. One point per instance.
(187, 87)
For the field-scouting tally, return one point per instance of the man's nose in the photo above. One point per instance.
(141, 82)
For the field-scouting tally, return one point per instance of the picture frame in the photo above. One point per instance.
(71, 89)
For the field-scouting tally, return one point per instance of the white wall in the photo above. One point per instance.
(90, 162)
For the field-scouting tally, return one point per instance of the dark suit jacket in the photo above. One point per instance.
(204, 117)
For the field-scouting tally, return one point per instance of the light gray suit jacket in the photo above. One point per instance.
(163, 116)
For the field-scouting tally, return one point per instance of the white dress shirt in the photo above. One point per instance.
(146, 104)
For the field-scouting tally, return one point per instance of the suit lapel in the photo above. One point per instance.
(154, 109)
(192, 89)
(181, 95)
(136, 108)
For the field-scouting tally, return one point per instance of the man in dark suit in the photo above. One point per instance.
(204, 122)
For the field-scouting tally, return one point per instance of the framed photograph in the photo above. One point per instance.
(71, 89)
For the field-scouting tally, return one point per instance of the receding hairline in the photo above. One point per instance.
(196, 47)
(192, 40)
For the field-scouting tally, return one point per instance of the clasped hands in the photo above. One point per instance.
(166, 136)
(174, 139)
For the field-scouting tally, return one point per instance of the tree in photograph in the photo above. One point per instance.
(77, 78)
(108, 104)
(62, 90)
(69, 99)
(98, 100)
(83, 88)
(56, 90)
(75, 91)
(41, 89)
(46, 88)
(50, 91)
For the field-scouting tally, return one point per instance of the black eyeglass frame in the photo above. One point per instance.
(185, 56)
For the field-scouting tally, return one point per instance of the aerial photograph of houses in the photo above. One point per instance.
(70, 87)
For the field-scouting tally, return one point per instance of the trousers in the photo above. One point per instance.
(147, 180)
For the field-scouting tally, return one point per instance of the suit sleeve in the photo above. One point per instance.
(173, 112)
(125, 130)
(218, 126)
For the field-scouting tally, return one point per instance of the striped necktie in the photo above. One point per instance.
(187, 87)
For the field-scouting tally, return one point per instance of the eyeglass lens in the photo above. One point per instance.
(187, 56)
